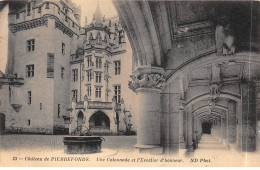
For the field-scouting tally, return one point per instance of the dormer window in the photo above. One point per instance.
(47, 5)
(28, 9)
(17, 15)
(73, 24)
(39, 9)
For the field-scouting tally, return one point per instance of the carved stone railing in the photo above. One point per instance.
(99, 105)
(11, 80)
(75, 58)
(79, 105)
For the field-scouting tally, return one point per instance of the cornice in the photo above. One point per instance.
(41, 22)
(50, 2)
(29, 24)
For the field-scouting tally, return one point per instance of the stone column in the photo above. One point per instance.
(147, 83)
(258, 115)
(248, 117)
(148, 122)
(190, 130)
(195, 132)
(219, 128)
(239, 125)
(224, 129)
(181, 125)
(232, 123)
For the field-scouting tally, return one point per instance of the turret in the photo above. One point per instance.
(97, 17)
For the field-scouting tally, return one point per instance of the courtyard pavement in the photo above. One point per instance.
(45, 143)
(47, 150)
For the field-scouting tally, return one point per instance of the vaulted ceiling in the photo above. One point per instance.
(169, 34)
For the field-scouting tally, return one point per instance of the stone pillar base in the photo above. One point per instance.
(182, 145)
(171, 149)
(196, 145)
(149, 149)
(233, 147)
(190, 148)
(225, 142)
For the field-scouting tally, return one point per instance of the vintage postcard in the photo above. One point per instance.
(129, 83)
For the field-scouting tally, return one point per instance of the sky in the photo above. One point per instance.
(88, 8)
(3, 38)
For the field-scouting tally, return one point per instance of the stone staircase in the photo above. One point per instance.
(211, 142)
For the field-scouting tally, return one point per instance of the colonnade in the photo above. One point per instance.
(235, 127)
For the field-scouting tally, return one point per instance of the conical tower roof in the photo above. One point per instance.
(98, 14)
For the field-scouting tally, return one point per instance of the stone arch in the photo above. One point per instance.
(99, 120)
(209, 59)
(224, 108)
(200, 97)
(141, 33)
(203, 113)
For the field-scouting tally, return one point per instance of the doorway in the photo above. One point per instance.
(80, 119)
(206, 128)
(99, 121)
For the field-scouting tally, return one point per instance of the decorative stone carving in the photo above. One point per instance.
(16, 107)
(98, 38)
(211, 104)
(214, 90)
(214, 93)
(182, 104)
(216, 77)
(90, 36)
(114, 99)
(182, 30)
(63, 28)
(29, 24)
(146, 81)
(74, 99)
(225, 40)
(85, 98)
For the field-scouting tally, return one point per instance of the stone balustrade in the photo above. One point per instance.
(99, 105)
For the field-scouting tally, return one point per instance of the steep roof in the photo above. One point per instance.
(1, 74)
(98, 14)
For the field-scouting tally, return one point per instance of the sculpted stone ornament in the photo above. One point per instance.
(146, 81)
(211, 104)
(90, 37)
(225, 40)
(74, 99)
(98, 38)
(182, 104)
(85, 98)
(214, 90)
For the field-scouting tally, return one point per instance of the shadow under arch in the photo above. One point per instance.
(99, 121)
(80, 118)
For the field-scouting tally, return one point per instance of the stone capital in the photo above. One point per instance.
(147, 77)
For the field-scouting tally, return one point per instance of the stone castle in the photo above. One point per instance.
(61, 75)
